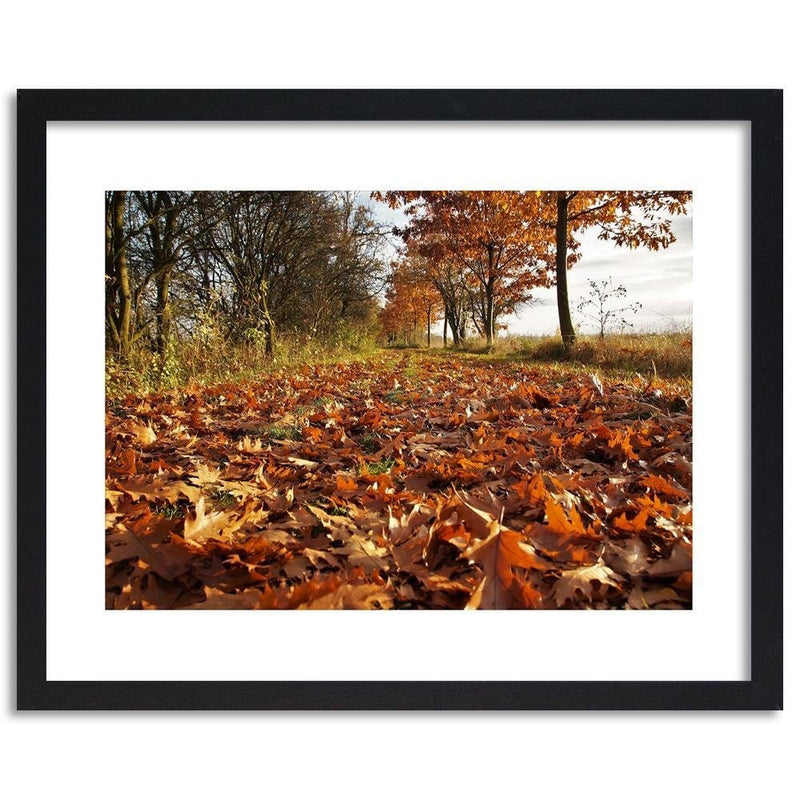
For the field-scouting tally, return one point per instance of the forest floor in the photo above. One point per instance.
(407, 480)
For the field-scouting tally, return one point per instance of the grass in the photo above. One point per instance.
(215, 361)
(661, 355)
(369, 443)
(378, 467)
(223, 498)
(282, 432)
(394, 396)
(669, 354)
(169, 511)
(314, 407)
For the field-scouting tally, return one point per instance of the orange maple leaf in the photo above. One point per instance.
(558, 521)
(498, 556)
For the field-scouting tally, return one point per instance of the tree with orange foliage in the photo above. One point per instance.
(410, 298)
(494, 236)
(397, 317)
(447, 276)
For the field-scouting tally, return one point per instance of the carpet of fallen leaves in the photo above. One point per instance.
(404, 481)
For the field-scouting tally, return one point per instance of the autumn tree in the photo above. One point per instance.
(630, 219)
(295, 261)
(147, 236)
(261, 244)
(397, 317)
(494, 237)
(446, 274)
(411, 298)
(348, 274)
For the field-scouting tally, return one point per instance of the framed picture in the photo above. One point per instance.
(205, 269)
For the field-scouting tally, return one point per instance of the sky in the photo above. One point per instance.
(660, 281)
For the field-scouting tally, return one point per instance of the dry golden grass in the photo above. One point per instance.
(667, 355)
(663, 356)
(198, 362)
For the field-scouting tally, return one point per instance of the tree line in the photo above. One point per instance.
(258, 264)
(261, 265)
(472, 257)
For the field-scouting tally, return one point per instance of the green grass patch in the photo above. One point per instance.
(281, 432)
(369, 443)
(378, 467)
(169, 511)
(223, 498)
(314, 407)
(395, 397)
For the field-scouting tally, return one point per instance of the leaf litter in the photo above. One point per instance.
(411, 482)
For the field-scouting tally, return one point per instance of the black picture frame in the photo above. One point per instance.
(761, 108)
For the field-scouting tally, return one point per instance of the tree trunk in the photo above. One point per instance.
(269, 336)
(162, 310)
(164, 266)
(564, 318)
(488, 318)
(454, 327)
(121, 276)
(489, 323)
(430, 310)
(112, 335)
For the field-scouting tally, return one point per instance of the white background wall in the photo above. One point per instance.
(366, 45)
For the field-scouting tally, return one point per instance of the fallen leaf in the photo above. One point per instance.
(202, 526)
(584, 584)
(498, 556)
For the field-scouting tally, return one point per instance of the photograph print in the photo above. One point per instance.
(398, 400)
